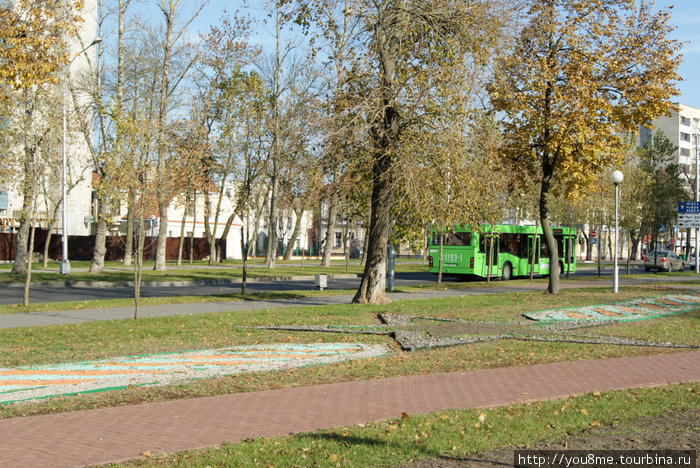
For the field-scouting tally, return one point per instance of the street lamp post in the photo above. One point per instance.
(65, 263)
(616, 179)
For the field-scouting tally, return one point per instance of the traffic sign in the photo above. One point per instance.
(592, 234)
(593, 241)
(688, 207)
(688, 220)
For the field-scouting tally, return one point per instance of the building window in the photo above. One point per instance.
(685, 121)
(338, 239)
(685, 136)
(685, 151)
(4, 202)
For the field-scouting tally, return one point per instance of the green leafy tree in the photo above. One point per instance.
(578, 78)
(663, 187)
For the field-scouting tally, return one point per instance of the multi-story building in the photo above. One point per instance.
(78, 162)
(682, 128)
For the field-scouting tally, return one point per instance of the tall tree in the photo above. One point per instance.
(98, 109)
(417, 52)
(579, 78)
(664, 185)
(225, 52)
(170, 78)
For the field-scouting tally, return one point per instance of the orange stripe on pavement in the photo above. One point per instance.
(73, 372)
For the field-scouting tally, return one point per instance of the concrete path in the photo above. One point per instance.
(115, 434)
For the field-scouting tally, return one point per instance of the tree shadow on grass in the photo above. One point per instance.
(373, 443)
(436, 458)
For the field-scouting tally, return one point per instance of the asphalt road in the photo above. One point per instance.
(81, 291)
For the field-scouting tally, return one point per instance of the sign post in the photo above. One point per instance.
(689, 217)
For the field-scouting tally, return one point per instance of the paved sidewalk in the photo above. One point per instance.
(114, 434)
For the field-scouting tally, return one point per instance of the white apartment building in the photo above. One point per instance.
(78, 161)
(682, 128)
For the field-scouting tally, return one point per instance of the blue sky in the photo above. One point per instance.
(685, 17)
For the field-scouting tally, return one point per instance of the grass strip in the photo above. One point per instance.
(99, 340)
(146, 301)
(449, 434)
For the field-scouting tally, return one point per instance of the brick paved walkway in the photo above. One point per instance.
(113, 434)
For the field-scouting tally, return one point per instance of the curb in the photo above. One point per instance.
(129, 284)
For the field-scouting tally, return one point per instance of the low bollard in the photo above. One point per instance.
(321, 281)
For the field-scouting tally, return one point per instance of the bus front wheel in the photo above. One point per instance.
(507, 272)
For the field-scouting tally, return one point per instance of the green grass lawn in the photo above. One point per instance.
(144, 301)
(453, 434)
(96, 340)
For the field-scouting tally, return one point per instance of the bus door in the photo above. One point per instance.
(484, 246)
(570, 257)
(533, 253)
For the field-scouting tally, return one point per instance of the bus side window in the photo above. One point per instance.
(511, 243)
(544, 249)
(522, 251)
(560, 245)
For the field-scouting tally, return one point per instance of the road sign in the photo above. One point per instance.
(688, 220)
(662, 228)
(592, 234)
(688, 207)
(593, 241)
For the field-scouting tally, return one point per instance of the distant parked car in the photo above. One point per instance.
(665, 261)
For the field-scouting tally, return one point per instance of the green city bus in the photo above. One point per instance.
(515, 250)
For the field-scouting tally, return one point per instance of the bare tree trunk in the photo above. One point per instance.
(384, 133)
(207, 226)
(19, 267)
(181, 244)
(598, 249)
(161, 143)
(553, 286)
(442, 243)
(346, 246)
(194, 225)
(295, 233)
(365, 244)
(224, 235)
(244, 253)
(373, 284)
(47, 244)
(51, 227)
(97, 263)
(535, 246)
(28, 279)
(271, 253)
(629, 256)
(330, 231)
(129, 242)
(138, 267)
(252, 245)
